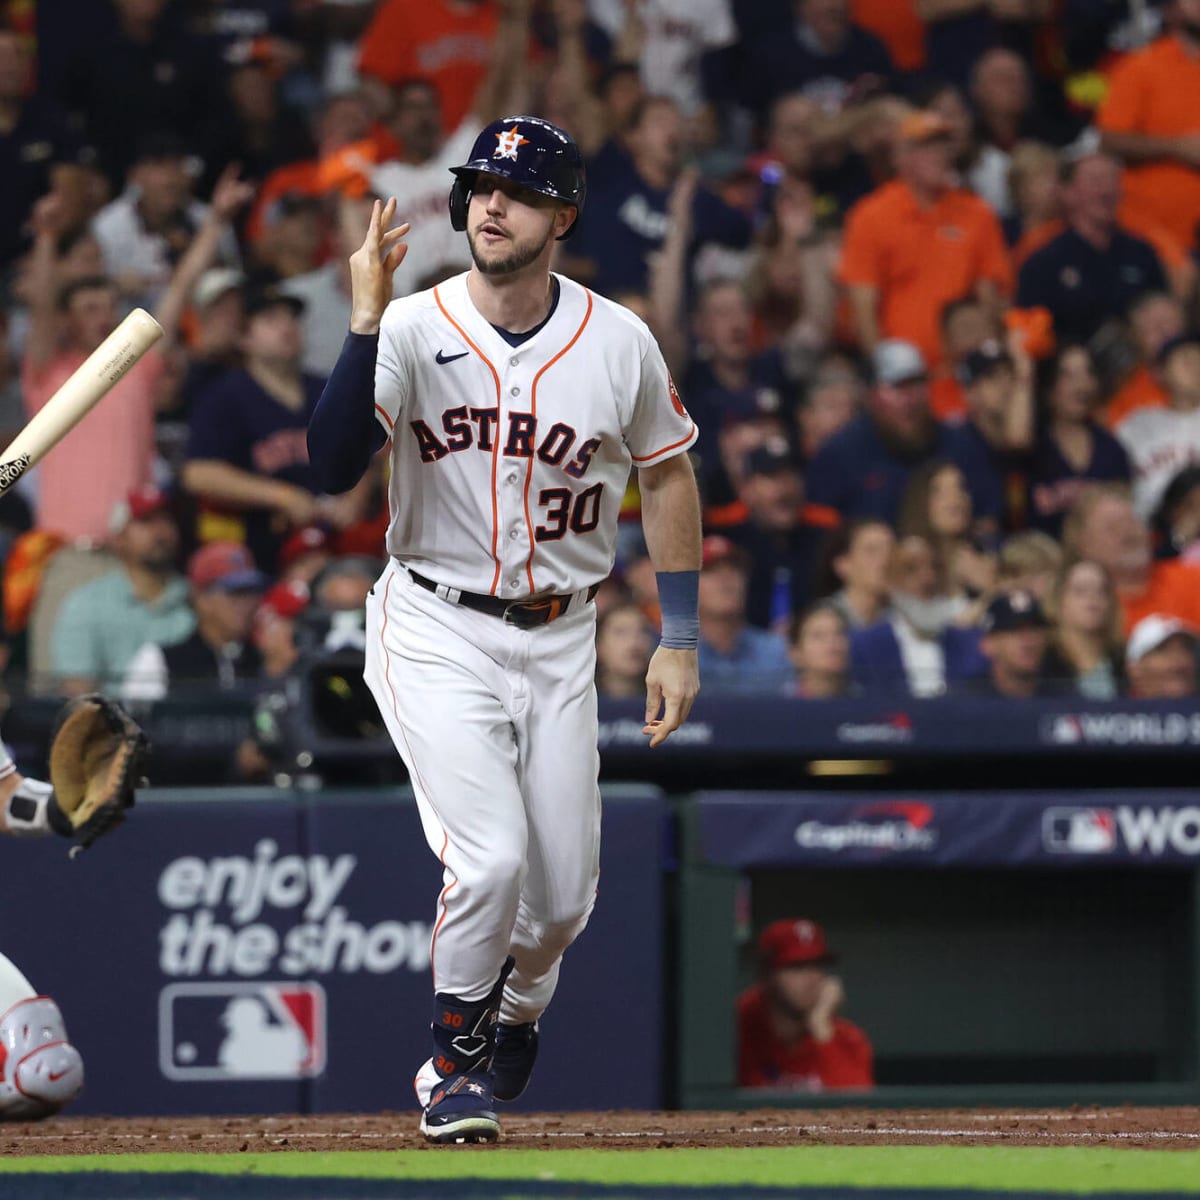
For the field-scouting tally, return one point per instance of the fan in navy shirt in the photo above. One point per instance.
(1072, 451)
(626, 219)
(247, 450)
(781, 548)
(726, 382)
(991, 445)
(864, 469)
(1094, 270)
(825, 56)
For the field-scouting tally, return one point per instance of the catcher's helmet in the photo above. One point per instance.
(528, 151)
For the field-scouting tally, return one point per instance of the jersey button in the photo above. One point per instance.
(516, 391)
(512, 362)
(513, 584)
(514, 534)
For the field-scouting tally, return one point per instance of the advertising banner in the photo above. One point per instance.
(719, 727)
(846, 829)
(270, 953)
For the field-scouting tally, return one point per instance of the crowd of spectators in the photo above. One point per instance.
(924, 271)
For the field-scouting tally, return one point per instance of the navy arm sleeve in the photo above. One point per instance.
(343, 433)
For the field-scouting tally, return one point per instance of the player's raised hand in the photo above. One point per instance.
(672, 681)
(372, 266)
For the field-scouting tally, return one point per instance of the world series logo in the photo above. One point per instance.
(241, 1031)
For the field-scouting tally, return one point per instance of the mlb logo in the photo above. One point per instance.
(241, 1031)
(1079, 830)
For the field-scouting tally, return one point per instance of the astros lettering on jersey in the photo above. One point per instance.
(509, 463)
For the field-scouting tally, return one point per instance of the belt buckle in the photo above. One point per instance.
(553, 606)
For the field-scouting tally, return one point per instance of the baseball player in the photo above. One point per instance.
(40, 1070)
(516, 402)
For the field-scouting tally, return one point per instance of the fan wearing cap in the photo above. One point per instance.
(247, 455)
(734, 655)
(203, 299)
(789, 1031)
(781, 544)
(1160, 658)
(1163, 441)
(101, 624)
(306, 553)
(918, 242)
(1092, 271)
(990, 447)
(1016, 636)
(225, 591)
(864, 469)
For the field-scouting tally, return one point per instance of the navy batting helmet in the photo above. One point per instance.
(529, 152)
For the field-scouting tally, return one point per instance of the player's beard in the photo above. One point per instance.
(518, 258)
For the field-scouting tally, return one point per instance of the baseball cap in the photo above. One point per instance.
(259, 299)
(308, 540)
(716, 549)
(922, 126)
(1017, 609)
(982, 361)
(139, 504)
(790, 943)
(750, 404)
(225, 565)
(896, 361)
(771, 458)
(287, 599)
(214, 283)
(1152, 631)
(1175, 343)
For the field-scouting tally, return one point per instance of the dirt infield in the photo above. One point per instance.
(1147, 1128)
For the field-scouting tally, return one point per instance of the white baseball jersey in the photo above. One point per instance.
(422, 194)
(1160, 443)
(509, 463)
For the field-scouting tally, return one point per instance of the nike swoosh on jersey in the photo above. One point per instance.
(441, 358)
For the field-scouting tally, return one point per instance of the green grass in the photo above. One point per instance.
(1066, 1169)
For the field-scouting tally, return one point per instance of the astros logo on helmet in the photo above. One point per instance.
(527, 151)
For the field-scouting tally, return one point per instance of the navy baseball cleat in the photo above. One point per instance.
(516, 1051)
(460, 1110)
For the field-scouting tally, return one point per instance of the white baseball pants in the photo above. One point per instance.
(497, 727)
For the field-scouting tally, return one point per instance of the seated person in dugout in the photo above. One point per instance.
(789, 1033)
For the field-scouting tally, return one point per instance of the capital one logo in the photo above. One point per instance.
(241, 1031)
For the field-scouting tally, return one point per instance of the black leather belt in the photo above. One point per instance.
(525, 614)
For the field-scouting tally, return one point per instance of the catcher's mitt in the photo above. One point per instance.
(97, 755)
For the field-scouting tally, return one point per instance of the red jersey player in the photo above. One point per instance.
(789, 1034)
